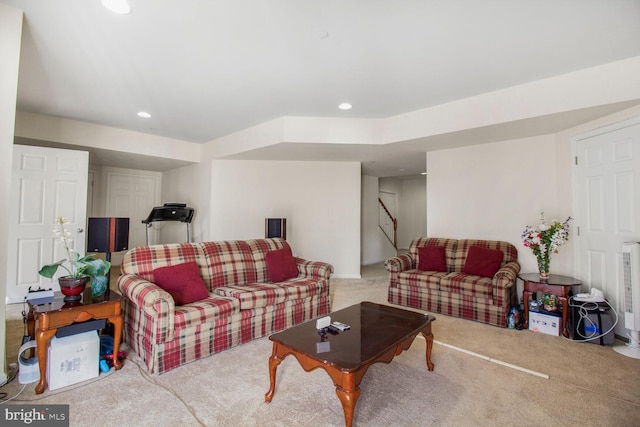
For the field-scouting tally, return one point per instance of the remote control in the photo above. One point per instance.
(341, 326)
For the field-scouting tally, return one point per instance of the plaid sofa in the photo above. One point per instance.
(242, 305)
(453, 292)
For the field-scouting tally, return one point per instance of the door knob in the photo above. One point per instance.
(80, 230)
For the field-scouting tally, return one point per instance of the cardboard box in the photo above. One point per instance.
(545, 323)
(73, 359)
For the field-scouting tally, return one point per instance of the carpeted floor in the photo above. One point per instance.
(579, 384)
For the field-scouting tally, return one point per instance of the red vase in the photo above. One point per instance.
(72, 287)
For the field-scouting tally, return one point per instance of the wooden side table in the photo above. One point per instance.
(59, 313)
(558, 285)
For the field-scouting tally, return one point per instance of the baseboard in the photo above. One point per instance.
(346, 276)
(364, 264)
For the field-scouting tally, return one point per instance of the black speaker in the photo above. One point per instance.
(108, 235)
(275, 227)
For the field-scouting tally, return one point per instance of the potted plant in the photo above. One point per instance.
(550, 302)
(80, 269)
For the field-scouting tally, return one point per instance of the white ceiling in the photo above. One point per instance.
(205, 69)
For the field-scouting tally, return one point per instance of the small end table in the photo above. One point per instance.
(60, 313)
(556, 284)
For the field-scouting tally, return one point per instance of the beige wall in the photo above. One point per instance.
(492, 191)
(321, 201)
(56, 129)
(182, 185)
(10, 34)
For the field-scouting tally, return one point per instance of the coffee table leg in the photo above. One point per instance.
(348, 397)
(274, 361)
(428, 336)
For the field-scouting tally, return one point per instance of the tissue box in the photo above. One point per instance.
(73, 359)
(545, 323)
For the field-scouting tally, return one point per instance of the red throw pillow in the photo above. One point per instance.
(281, 265)
(482, 261)
(432, 258)
(182, 281)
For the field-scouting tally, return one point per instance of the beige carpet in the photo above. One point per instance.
(588, 385)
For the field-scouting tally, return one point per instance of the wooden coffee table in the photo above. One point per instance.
(59, 313)
(378, 333)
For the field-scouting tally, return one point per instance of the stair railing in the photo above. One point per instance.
(388, 224)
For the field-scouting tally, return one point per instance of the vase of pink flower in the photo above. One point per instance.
(545, 239)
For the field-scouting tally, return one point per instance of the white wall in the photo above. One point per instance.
(10, 36)
(320, 200)
(374, 244)
(182, 185)
(492, 191)
(412, 221)
(66, 131)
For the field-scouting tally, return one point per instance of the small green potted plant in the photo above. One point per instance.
(550, 302)
(80, 269)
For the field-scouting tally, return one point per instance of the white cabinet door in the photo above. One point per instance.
(46, 182)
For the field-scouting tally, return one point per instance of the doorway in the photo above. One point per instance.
(607, 177)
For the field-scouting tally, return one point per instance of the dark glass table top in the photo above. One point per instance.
(59, 304)
(374, 329)
(553, 280)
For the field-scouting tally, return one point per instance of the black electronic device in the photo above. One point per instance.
(78, 328)
(179, 212)
(107, 235)
(275, 227)
(170, 212)
(592, 322)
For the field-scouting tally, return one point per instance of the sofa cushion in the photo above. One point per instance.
(255, 295)
(281, 265)
(432, 258)
(450, 248)
(182, 281)
(207, 310)
(483, 262)
(421, 279)
(468, 285)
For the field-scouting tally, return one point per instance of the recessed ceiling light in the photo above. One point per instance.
(117, 6)
(144, 114)
(345, 106)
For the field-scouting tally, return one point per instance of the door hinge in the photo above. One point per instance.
(576, 160)
(578, 231)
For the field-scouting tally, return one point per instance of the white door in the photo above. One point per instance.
(132, 194)
(46, 183)
(607, 206)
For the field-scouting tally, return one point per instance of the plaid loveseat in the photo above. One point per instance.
(241, 305)
(453, 292)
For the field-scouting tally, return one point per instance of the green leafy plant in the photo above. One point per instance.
(550, 302)
(86, 266)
